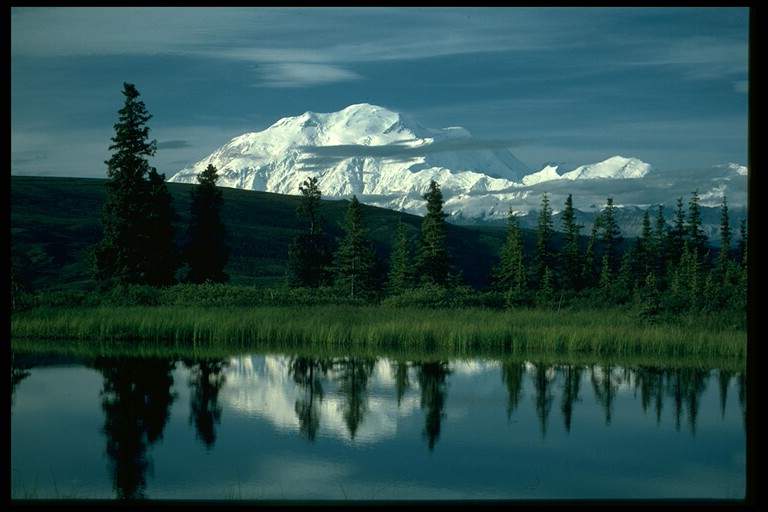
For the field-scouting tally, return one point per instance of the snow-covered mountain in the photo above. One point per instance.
(388, 159)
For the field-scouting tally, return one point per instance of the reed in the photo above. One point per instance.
(598, 332)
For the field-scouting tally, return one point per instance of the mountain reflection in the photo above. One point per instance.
(205, 381)
(373, 400)
(136, 400)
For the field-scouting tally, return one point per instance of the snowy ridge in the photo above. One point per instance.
(388, 159)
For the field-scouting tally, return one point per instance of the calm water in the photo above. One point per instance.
(278, 426)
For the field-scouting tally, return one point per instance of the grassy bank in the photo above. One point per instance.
(82, 350)
(595, 332)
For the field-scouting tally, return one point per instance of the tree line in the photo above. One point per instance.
(670, 266)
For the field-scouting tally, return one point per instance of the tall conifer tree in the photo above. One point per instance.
(400, 271)
(355, 257)
(433, 261)
(611, 237)
(163, 259)
(544, 251)
(207, 251)
(677, 234)
(136, 215)
(510, 274)
(696, 236)
(643, 253)
(572, 263)
(725, 238)
(660, 242)
(588, 271)
(309, 257)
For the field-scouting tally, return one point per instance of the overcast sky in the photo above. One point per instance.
(569, 85)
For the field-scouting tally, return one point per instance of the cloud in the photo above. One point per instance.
(320, 157)
(173, 144)
(300, 74)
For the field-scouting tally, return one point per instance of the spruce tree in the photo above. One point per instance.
(588, 271)
(433, 263)
(611, 237)
(643, 252)
(207, 251)
(743, 285)
(650, 304)
(606, 278)
(545, 296)
(544, 252)
(123, 255)
(164, 258)
(725, 239)
(400, 276)
(660, 242)
(572, 264)
(625, 282)
(309, 257)
(354, 259)
(677, 234)
(696, 236)
(742, 247)
(510, 274)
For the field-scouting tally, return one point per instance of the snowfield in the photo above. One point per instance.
(388, 159)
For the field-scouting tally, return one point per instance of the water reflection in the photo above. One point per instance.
(19, 372)
(136, 401)
(205, 382)
(307, 373)
(542, 378)
(650, 382)
(352, 374)
(512, 373)
(431, 378)
(570, 393)
(402, 382)
(374, 401)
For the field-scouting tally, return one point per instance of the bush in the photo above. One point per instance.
(52, 299)
(433, 296)
(130, 295)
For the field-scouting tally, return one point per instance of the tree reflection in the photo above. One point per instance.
(544, 396)
(605, 389)
(205, 381)
(352, 374)
(724, 381)
(571, 386)
(432, 383)
(19, 372)
(307, 372)
(402, 383)
(136, 400)
(512, 373)
(650, 381)
(686, 386)
(741, 381)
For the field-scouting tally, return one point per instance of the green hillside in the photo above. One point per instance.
(56, 221)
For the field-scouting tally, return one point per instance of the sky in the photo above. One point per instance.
(566, 85)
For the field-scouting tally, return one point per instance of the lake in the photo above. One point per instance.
(286, 426)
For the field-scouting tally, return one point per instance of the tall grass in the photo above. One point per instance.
(598, 332)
